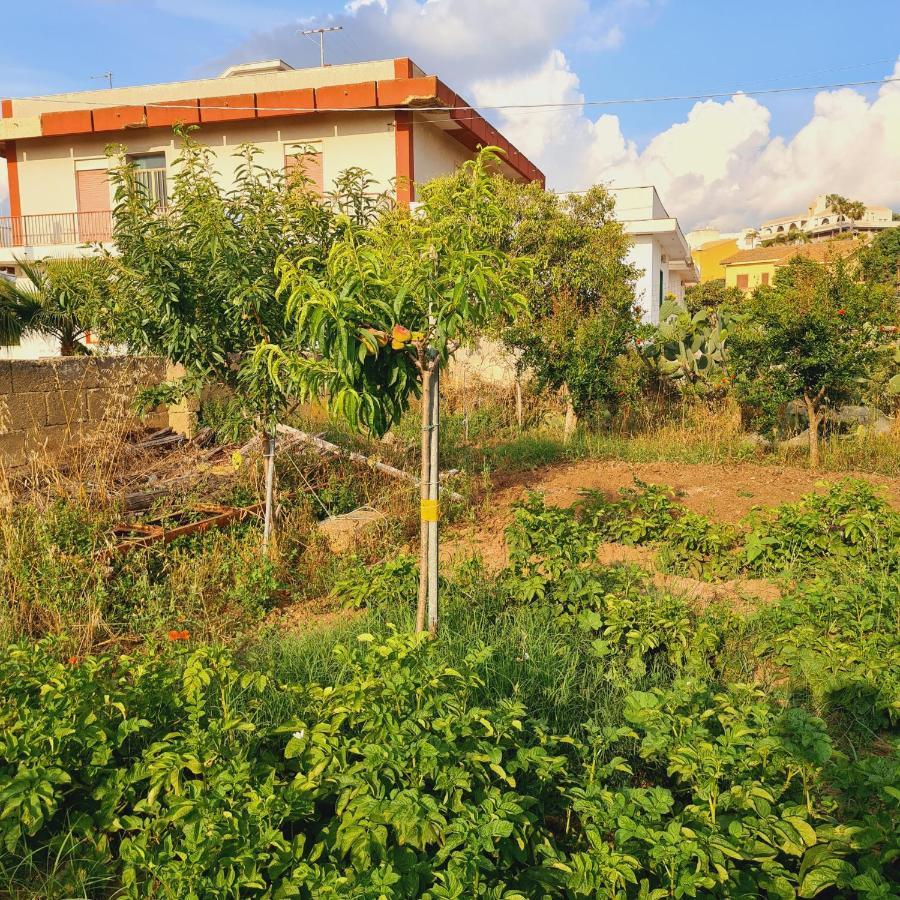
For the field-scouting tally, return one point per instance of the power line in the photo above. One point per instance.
(501, 106)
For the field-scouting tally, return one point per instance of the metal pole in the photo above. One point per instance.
(434, 496)
(270, 488)
(322, 49)
(424, 506)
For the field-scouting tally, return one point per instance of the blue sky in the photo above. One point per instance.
(517, 50)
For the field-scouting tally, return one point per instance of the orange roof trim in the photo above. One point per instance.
(405, 90)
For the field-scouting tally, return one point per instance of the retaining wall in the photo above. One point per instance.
(50, 405)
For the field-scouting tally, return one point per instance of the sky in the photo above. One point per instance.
(727, 162)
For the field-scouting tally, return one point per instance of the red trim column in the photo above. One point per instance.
(403, 145)
(12, 174)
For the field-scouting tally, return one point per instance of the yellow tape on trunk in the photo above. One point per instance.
(430, 510)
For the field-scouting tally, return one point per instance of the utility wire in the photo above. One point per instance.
(504, 106)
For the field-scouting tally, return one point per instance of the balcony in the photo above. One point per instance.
(52, 229)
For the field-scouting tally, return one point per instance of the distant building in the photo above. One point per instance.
(820, 222)
(709, 247)
(660, 250)
(748, 269)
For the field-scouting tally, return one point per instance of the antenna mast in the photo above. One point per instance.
(107, 75)
(321, 32)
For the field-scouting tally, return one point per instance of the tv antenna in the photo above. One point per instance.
(321, 32)
(107, 75)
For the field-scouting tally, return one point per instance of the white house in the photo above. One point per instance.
(659, 250)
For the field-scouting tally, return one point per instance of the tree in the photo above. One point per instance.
(711, 295)
(880, 260)
(196, 284)
(581, 312)
(849, 210)
(792, 236)
(810, 336)
(392, 303)
(60, 299)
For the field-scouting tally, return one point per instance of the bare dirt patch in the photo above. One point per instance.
(724, 493)
(310, 615)
(742, 594)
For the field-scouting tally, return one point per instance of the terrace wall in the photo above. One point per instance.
(49, 406)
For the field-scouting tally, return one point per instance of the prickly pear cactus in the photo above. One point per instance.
(688, 350)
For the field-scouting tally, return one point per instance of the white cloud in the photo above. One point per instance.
(719, 166)
(457, 38)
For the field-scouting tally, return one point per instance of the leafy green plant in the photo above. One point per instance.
(390, 305)
(60, 298)
(383, 584)
(689, 350)
(810, 336)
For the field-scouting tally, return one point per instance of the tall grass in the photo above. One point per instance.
(536, 657)
(485, 438)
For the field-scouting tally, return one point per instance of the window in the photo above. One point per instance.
(308, 161)
(765, 277)
(150, 170)
(743, 282)
(93, 220)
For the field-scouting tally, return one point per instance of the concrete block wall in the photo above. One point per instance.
(489, 362)
(50, 405)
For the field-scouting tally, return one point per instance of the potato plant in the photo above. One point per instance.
(417, 770)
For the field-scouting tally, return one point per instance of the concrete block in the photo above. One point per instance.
(66, 407)
(224, 109)
(159, 418)
(109, 403)
(343, 533)
(12, 449)
(27, 411)
(31, 376)
(5, 377)
(76, 121)
(76, 373)
(49, 440)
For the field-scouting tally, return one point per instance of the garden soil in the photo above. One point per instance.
(724, 493)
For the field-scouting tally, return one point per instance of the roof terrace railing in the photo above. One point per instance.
(53, 229)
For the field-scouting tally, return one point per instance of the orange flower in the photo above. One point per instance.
(73, 660)
(842, 312)
(178, 635)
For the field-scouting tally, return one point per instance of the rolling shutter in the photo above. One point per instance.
(92, 189)
(312, 166)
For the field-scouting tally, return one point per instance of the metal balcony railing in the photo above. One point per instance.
(55, 228)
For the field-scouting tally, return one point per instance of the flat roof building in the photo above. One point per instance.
(388, 117)
(659, 249)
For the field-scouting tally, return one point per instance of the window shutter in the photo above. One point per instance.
(311, 165)
(743, 282)
(92, 194)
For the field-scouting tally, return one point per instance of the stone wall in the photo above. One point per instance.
(489, 363)
(50, 405)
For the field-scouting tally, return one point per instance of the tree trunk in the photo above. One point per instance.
(424, 489)
(813, 417)
(434, 498)
(67, 345)
(519, 413)
(571, 419)
(270, 489)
